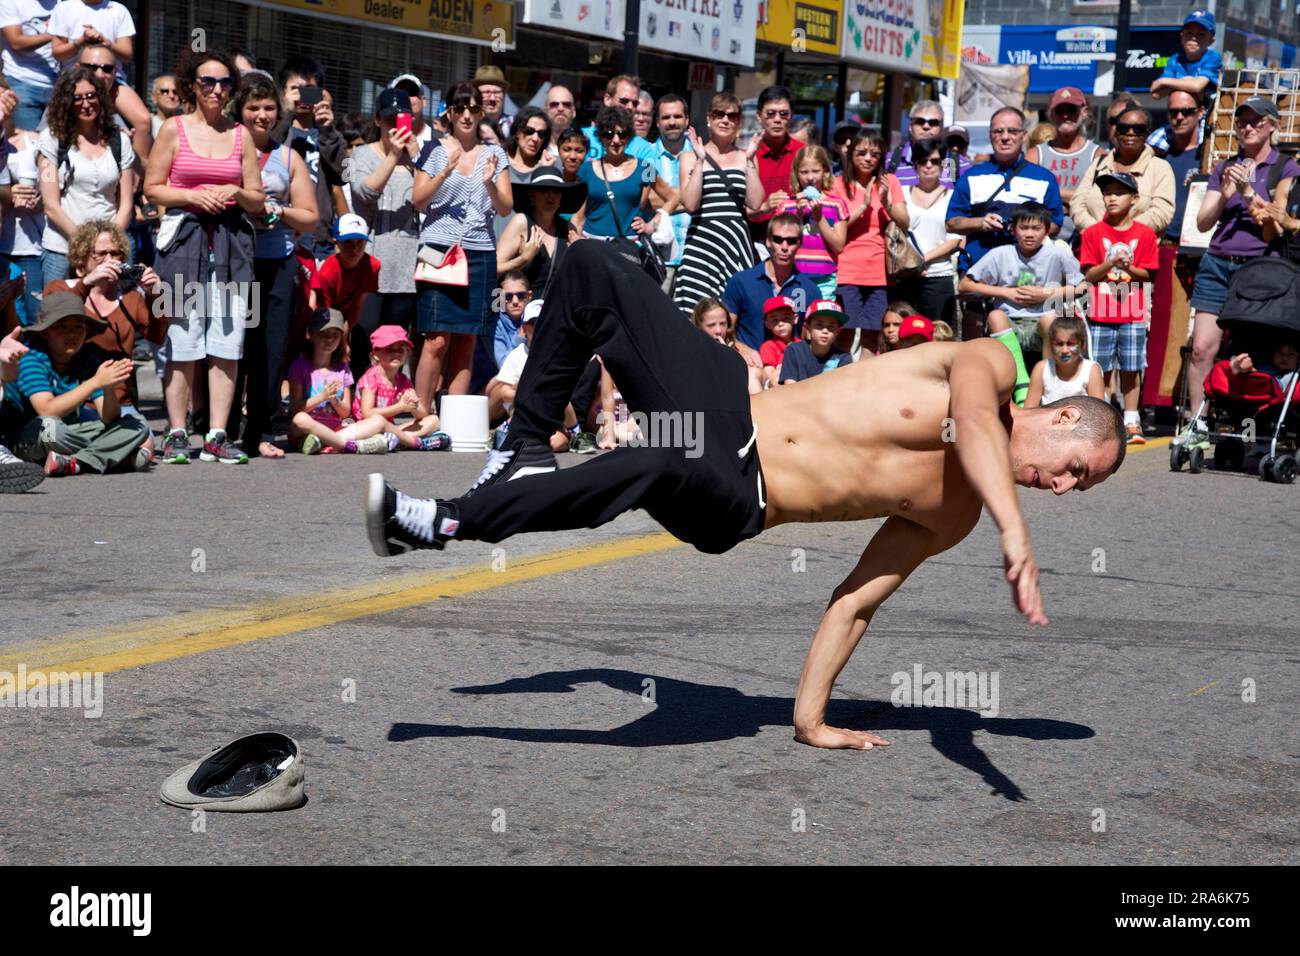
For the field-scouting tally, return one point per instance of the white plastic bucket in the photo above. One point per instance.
(465, 419)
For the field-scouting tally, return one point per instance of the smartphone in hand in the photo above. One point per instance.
(403, 122)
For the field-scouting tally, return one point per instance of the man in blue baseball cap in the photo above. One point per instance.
(1196, 69)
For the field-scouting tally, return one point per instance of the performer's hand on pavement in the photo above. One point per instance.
(836, 738)
(1022, 575)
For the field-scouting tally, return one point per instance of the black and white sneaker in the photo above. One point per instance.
(398, 523)
(516, 460)
(16, 475)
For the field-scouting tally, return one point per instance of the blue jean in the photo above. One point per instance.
(54, 265)
(31, 266)
(32, 101)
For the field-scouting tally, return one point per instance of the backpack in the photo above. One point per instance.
(114, 145)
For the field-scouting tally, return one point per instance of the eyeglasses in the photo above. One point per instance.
(776, 114)
(165, 91)
(86, 98)
(557, 105)
(458, 109)
(613, 134)
(1006, 131)
(534, 131)
(732, 116)
(1256, 123)
(101, 67)
(628, 102)
(1184, 110)
(926, 121)
(1066, 109)
(1129, 129)
(515, 296)
(785, 240)
(928, 161)
(209, 83)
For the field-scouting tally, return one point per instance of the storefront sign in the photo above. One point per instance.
(941, 45)
(885, 33)
(483, 22)
(703, 77)
(812, 24)
(704, 29)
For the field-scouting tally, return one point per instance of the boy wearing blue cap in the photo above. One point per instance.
(1196, 69)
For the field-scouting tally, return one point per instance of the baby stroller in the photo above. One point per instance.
(1262, 312)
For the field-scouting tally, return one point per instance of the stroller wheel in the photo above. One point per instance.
(1284, 470)
(1266, 468)
(1196, 460)
(1175, 457)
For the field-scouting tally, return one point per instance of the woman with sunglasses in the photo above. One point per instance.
(618, 184)
(874, 197)
(90, 180)
(527, 143)
(1132, 155)
(932, 294)
(461, 185)
(1235, 207)
(719, 185)
(204, 170)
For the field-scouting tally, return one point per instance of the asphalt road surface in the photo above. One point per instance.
(612, 696)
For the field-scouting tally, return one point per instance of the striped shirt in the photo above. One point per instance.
(36, 375)
(461, 201)
(813, 257)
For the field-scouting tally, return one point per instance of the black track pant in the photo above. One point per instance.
(701, 480)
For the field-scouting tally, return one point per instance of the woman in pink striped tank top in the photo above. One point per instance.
(202, 165)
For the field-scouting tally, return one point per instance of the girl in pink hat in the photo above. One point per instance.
(384, 391)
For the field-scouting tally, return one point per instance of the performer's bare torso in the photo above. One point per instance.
(868, 440)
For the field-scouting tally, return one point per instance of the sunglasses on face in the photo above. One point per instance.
(1255, 123)
(629, 103)
(101, 67)
(209, 83)
(927, 121)
(1184, 110)
(613, 134)
(86, 98)
(1130, 129)
(515, 296)
(732, 116)
(166, 91)
(1066, 110)
(460, 109)
(557, 105)
(534, 131)
(785, 240)
(929, 161)
(776, 114)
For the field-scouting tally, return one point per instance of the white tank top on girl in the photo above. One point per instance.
(1054, 387)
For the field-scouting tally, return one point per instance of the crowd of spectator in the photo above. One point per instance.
(296, 273)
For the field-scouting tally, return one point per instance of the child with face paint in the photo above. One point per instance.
(1065, 371)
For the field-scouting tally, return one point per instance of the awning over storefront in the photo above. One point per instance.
(720, 30)
(481, 22)
(1075, 55)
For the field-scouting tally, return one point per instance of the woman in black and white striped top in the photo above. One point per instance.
(715, 183)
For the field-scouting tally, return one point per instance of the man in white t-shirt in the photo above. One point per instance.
(77, 22)
(29, 64)
(501, 390)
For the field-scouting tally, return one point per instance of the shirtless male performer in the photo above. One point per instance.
(866, 441)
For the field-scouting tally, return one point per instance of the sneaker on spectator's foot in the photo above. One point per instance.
(310, 445)
(1135, 436)
(394, 443)
(436, 441)
(397, 522)
(583, 443)
(16, 475)
(176, 448)
(142, 459)
(517, 460)
(61, 466)
(217, 447)
(374, 445)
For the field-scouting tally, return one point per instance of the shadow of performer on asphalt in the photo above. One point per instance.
(690, 713)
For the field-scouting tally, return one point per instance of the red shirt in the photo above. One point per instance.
(1118, 298)
(774, 166)
(772, 352)
(343, 289)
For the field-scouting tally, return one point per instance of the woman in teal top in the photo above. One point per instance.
(622, 179)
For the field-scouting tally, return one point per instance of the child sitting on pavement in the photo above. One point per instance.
(818, 354)
(320, 395)
(501, 390)
(16, 475)
(1030, 282)
(1065, 371)
(57, 377)
(895, 313)
(713, 319)
(779, 316)
(347, 281)
(385, 391)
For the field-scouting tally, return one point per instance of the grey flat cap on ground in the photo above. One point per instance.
(254, 774)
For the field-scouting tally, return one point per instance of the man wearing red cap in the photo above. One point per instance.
(1069, 153)
(925, 438)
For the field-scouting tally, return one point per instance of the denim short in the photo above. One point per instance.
(864, 305)
(1119, 343)
(1212, 278)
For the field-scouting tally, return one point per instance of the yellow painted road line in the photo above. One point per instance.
(163, 639)
(1151, 443)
